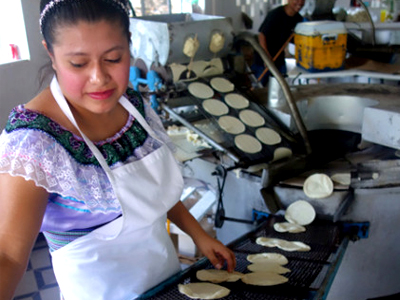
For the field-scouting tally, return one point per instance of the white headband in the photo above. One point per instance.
(53, 3)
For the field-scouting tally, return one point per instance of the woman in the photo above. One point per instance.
(86, 163)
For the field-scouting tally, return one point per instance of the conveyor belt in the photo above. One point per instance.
(309, 270)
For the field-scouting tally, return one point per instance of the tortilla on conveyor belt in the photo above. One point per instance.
(268, 136)
(300, 212)
(318, 186)
(222, 85)
(231, 125)
(289, 227)
(267, 257)
(283, 244)
(203, 290)
(217, 276)
(248, 143)
(268, 267)
(200, 90)
(236, 101)
(264, 278)
(251, 118)
(215, 107)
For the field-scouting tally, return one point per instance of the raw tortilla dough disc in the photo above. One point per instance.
(217, 42)
(247, 143)
(282, 152)
(268, 267)
(267, 257)
(300, 212)
(268, 136)
(289, 227)
(342, 178)
(318, 186)
(203, 290)
(200, 90)
(222, 85)
(216, 276)
(236, 101)
(283, 244)
(264, 278)
(215, 107)
(251, 118)
(231, 124)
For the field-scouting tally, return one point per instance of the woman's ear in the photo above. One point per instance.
(49, 53)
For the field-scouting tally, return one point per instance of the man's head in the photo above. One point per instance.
(294, 6)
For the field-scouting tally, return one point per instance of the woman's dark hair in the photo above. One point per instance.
(69, 12)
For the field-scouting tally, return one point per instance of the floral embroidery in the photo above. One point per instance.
(114, 151)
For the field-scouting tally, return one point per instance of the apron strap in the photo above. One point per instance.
(62, 102)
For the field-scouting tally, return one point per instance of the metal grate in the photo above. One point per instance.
(323, 237)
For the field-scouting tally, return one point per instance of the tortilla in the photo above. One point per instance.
(289, 227)
(300, 212)
(267, 257)
(282, 152)
(222, 85)
(215, 107)
(318, 186)
(217, 276)
(264, 278)
(268, 267)
(342, 178)
(217, 42)
(203, 290)
(231, 125)
(200, 90)
(191, 46)
(283, 244)
(268, 136)
(247, 143)
(251, 118)
(236, 101)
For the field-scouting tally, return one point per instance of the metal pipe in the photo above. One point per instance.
(370, 20)
(183, 121)
(246, 36)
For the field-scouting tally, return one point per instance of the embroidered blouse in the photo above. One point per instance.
(81, 197)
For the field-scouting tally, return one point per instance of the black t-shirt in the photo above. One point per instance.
(277, 27)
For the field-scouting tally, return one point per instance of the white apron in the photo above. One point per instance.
(126, 257)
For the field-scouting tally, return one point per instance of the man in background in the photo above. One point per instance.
(276, 29)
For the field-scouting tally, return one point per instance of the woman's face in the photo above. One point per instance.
(92, 63)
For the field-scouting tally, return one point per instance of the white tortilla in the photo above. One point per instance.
(282, 152)
(267, 257)
(200, 90)
(264, 278)
(215, 107)
(222, 85)
(251, 118)
(268, 136)
(203, 290)
(231, 125)
(268, 267)
(236, 101)
(283, 244)
(318, 186)
(342, 178)
(217, 276)
(300, 212)
(247, 143)
(289, 227)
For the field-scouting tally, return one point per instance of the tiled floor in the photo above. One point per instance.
(38, 282)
